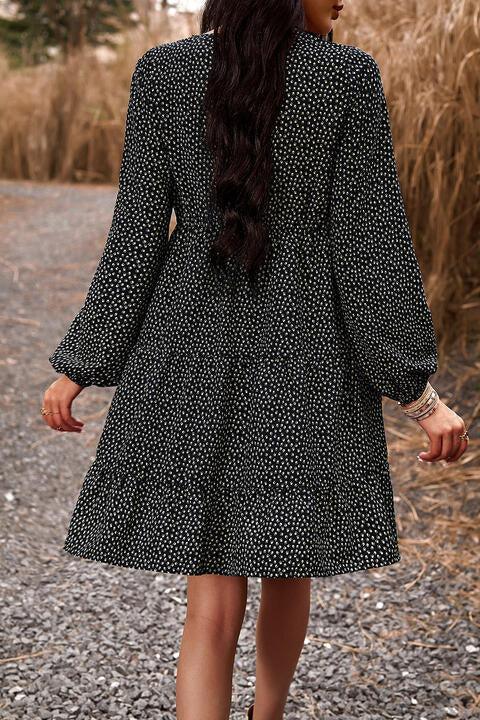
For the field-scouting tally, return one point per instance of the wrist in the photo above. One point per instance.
(423, 406)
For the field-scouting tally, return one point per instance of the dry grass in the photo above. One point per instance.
(430, 61)
(65, 120)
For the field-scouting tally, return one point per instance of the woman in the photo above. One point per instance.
(250, 350)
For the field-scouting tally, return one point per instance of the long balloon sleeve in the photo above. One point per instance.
(376, 270)
(97, 344)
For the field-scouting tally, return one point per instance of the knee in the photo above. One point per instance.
(218, 624)
(216, 606)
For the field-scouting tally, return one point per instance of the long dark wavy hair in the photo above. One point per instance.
(245, 90)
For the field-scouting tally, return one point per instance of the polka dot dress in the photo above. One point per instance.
(245, 435)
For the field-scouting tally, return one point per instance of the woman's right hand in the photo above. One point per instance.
(443, 428)
(57, 400)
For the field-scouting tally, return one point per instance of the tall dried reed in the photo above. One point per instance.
(65, 120)
(429, 55)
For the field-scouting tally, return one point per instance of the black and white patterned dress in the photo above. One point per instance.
(245, 435)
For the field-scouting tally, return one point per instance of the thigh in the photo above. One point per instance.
(286, 591)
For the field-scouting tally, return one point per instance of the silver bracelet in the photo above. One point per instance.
(431, 400)
(426, 414)
(424, 406)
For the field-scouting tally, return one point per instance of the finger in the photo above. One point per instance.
(464, 447)
(462, 443)
(447, 444)
(461, 449)
(45, 415)
(66, 419)
(434, 450)
(45, 408)
(457, 441)
(49, 417)
(455, 446)
(56, 418)
(74, 420)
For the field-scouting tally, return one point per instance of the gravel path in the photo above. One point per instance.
(85, 640)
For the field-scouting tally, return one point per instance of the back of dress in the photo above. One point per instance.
(245, 435)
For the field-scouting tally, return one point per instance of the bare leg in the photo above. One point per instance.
(215, 611)
(281, 628)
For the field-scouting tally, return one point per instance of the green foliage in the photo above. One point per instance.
(41, 28)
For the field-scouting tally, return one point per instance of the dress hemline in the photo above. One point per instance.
(218, 570)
